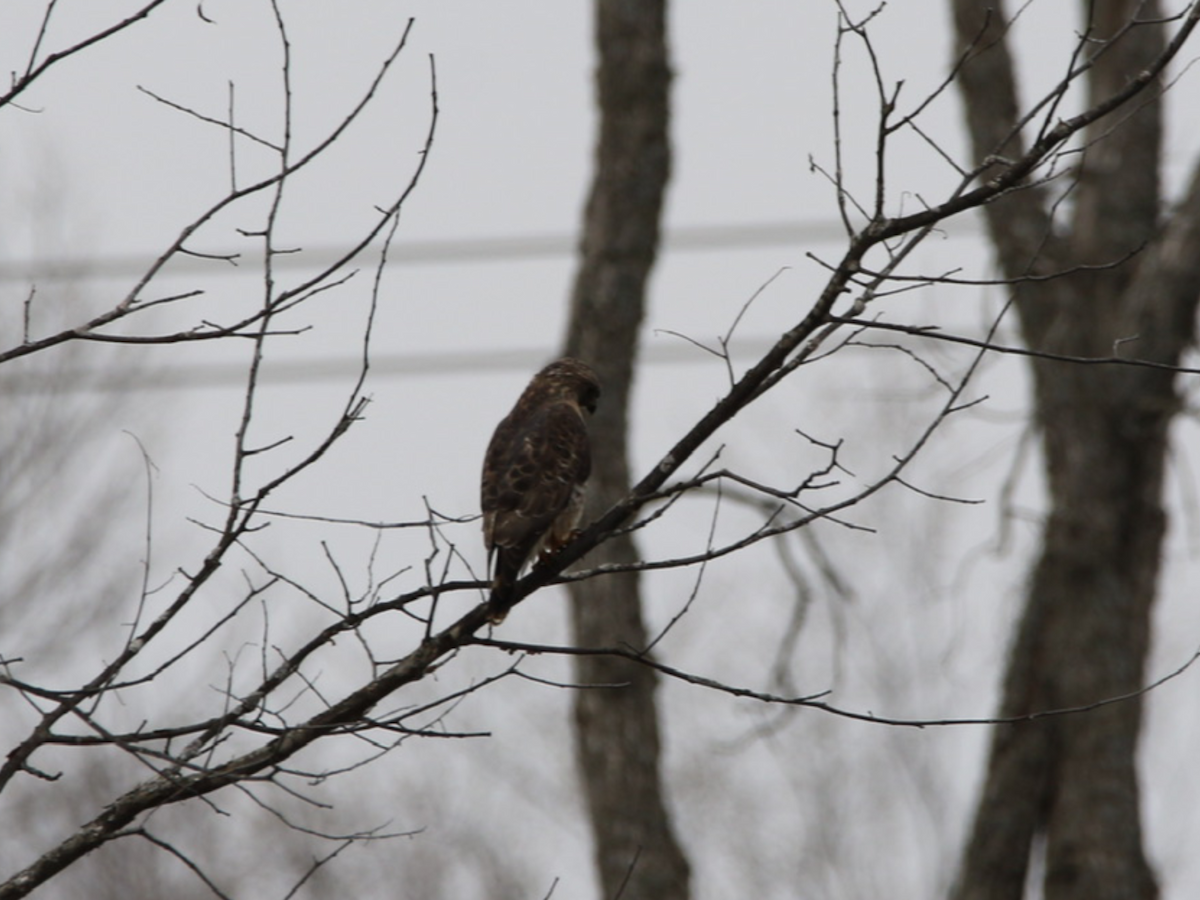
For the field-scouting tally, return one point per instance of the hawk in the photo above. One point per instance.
(535, 472)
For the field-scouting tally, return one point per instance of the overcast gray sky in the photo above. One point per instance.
(96, 172)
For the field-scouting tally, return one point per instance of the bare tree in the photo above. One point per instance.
(617, 729)
(276, 731)
(1133, 291)
(87, 714)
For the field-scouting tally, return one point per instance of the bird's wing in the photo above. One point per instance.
(531, 470)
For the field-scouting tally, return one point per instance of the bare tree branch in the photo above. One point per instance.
(35, 69)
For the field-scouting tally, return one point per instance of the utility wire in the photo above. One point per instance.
(305, 371)
(274, 373)
(457, 250)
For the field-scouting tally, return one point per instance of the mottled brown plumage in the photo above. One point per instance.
(535, 471)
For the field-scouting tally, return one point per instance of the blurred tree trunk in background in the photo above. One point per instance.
(1084, 631)
(617, 731)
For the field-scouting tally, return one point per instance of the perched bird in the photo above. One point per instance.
(535, 472)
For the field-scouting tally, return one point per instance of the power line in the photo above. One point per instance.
(458, 250)
(301, 371)
(199, 376)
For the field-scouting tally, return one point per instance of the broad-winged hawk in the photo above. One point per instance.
(535, 472)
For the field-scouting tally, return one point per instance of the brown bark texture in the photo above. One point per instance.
(617, 732)
(1071, 781)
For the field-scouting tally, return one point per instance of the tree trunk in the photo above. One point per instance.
(1084, 632)
(616, 727)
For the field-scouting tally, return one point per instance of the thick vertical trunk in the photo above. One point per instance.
(1084, 632)
(617, 730)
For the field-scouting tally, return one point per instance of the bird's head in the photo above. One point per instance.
(573, 380)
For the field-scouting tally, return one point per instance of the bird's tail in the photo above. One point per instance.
(508, 568)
